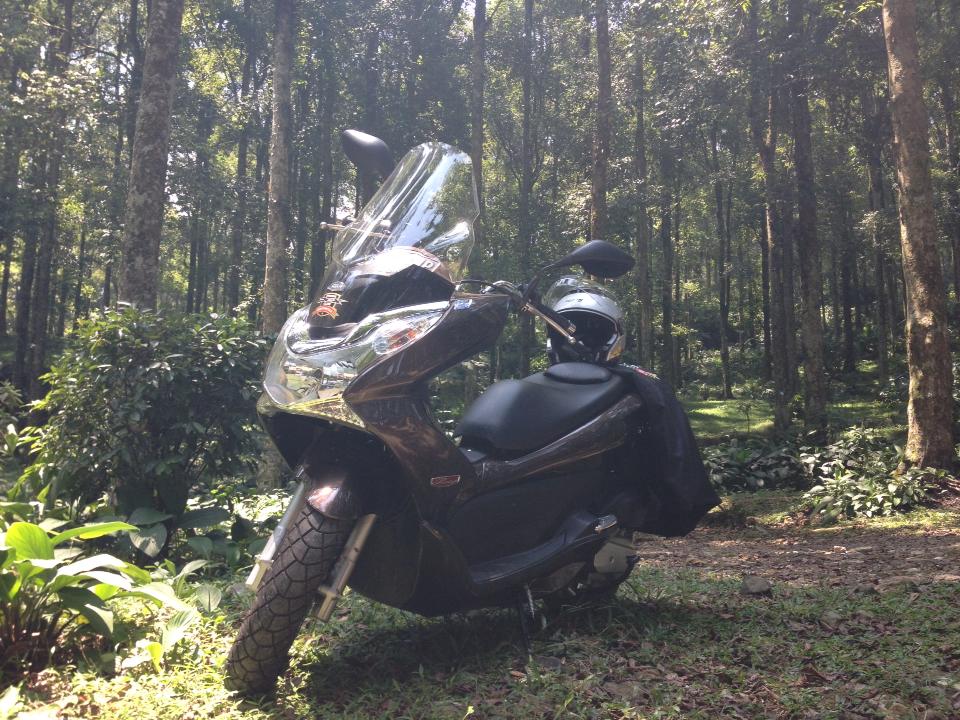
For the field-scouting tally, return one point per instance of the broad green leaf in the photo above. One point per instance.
(99, 562)
(17, 509)
(144, 516)
(203, 518)
(159, 593)
(149, 540)
(52, 524)
(104, 591)
(89, 532)
(201, 545)
(190, 567)
(30, 541)
(176, 627)
(10, 703)
(156, 654)
(9, 585)
(108, 578)
(90, 607)
(209, 597)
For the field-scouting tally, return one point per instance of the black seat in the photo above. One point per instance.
(518, 416)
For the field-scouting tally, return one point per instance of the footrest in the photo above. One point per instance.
(578, 537)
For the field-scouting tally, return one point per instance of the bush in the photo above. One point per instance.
(59, 592)
(857, 475)
(752, 466)
(144, 407)
(848, 495)
(51, 595)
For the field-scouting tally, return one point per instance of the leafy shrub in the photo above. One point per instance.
(857, 475)
(144, 407)
(52, 595)
(752, 465)
(848, 495)
(860, 451)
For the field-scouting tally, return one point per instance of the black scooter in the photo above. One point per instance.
(552, 473)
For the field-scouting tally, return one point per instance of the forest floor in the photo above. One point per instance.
(862, 620)
(716, 421)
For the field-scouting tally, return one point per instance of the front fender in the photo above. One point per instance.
(331, 494)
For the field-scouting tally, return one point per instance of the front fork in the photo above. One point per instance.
(320, 498)
(265, 558)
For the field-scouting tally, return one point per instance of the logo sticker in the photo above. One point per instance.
(327, 306)
(444, 481)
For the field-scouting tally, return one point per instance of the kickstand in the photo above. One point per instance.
(527, 613)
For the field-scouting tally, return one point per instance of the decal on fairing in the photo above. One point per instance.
(327, 305)
(444, 481)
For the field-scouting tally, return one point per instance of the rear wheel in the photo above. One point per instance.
(304, 561)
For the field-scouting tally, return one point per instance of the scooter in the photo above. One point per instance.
(540, 498)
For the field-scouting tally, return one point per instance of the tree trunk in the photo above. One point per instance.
(930, 407)
(644, 292)
(763, 130)
(135, 48)
(525, 224)
(873, 148)
(601, 149)
(40, 298)
(478, 74)
(667, 360)
(278, 212)
(78, 304)
(846, 286)
(723, 260)
(953, 181)
(808, 242)
(146, 196)
(328, 184)
(371, 110)
(240, 182)
(9, 182)
(767, 369)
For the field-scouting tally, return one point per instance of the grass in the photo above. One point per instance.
(712, 420)
(679, 641)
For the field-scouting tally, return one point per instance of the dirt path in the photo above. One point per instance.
(855, 557)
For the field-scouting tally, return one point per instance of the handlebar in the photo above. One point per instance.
(528, 302)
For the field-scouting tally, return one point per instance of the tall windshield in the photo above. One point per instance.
(429, 202)
(409, 245)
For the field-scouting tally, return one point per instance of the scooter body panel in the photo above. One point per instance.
(456, 534)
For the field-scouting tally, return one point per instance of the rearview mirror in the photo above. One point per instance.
(370, 154)
(598, 258)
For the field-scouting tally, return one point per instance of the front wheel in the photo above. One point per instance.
(304, 561)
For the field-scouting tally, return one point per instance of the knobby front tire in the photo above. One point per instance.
(303, 562)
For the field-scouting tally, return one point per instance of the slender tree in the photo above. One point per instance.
(930, 405)
(478, 73)
(278, 211)
(146, 196)
(642, 219)
(240, 185)
(763, 114)
(526, 177)
(601, 146)
(808, 242)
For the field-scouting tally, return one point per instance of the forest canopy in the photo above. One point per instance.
(758, 158)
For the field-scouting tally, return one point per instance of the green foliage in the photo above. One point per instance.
(857, 475)
(54, 594)
(753, 465)
(848, 495)
(144, 407)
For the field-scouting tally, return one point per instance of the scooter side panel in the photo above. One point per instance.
(390, 398)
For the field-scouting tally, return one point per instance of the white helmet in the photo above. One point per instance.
(597, 316)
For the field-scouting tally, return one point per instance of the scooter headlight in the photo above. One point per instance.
(302, 372)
